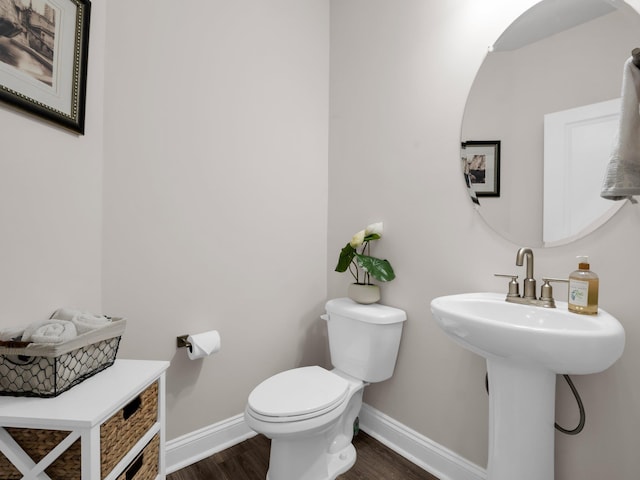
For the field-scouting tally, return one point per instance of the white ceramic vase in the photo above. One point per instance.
(362, 293)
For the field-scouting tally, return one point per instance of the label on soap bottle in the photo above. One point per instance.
(578, 292)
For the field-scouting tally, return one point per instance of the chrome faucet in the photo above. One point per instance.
(529, 284)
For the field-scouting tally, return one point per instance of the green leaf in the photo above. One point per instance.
(379, 269)
(372, 236)
(346, 257)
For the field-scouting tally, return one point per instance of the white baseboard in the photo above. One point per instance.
(427, 454)
(195, 446)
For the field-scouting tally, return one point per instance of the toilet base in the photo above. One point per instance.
(342, 461)
(338, 463)
(318, 448)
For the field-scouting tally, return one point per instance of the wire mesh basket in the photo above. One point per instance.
(47, 370)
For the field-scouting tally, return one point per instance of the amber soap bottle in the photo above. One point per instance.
(583, 289)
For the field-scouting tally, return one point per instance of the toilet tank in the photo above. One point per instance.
(364, 339)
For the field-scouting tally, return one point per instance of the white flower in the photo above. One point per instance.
(374, 228)
(357, 239)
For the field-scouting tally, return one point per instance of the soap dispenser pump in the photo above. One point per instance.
(583, 289)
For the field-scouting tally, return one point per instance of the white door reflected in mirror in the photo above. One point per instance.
(577, 145)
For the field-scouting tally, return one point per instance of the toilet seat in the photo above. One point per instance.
(297, 394)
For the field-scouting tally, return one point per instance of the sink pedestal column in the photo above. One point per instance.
(521, 421)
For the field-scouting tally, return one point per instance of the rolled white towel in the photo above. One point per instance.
(65, 314)
(11, 333)
(85, 322)
(49, 331)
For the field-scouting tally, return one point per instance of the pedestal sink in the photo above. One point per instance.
(525, 347)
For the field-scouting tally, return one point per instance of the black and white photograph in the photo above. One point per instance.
(28, 30)
(481, 166)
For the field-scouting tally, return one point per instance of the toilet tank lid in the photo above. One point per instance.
(372, 313)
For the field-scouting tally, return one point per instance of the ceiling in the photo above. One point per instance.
(548, 18)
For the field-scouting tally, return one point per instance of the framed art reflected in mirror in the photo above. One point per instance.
(481, 166)
(43, 58)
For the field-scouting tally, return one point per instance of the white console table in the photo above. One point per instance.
(81, 411)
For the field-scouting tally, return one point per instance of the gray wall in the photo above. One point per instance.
(215, 201)
(400, 75)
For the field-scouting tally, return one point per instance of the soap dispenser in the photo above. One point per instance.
(583, 289)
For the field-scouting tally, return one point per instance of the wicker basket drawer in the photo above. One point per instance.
(37, 444)
(145, 465)
(126, 427)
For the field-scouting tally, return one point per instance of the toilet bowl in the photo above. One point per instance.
(311, 426)
(309, 412)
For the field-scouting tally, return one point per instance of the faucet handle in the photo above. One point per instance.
(546, 290)
(514, 287)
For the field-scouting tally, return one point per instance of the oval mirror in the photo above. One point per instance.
(549, 85)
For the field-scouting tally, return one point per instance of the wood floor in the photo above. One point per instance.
(249, 461)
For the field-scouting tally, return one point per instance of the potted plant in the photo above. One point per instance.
(355, 256)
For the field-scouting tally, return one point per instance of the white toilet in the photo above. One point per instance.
(308, 413)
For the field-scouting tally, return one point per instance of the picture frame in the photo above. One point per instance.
(44, 47)
(481, 166)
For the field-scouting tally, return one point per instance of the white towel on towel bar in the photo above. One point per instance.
(622, 177)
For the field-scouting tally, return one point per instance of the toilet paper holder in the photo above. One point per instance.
(200, 345)
(182, 342)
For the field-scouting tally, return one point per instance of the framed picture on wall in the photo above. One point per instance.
(43, 58)
(481, 164)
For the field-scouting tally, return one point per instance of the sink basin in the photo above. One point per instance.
(525, 347)
(554, 338)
